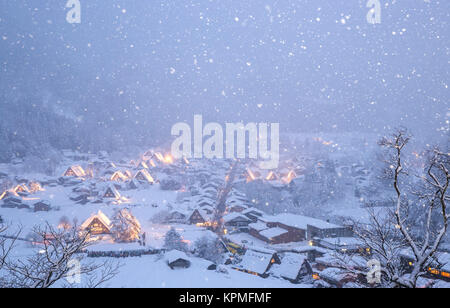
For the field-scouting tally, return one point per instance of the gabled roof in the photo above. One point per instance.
(271, 176)
(235, 216)
(290, 266)
(256, 262)
(202, 214)
(111, 190)
(252, 210)
(119, 176)
(77, 171)
(144, 175)
(8, 193)
(101, 217)
(175, 255)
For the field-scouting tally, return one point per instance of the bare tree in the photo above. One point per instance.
(58, 263)
(390, 236)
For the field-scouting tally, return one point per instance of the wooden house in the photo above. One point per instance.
(272, 176)
(257, 263)
(177, 259)
(119, 176)
(9, 194)
(251, 176)
(111, 193)
(322, 229)
(75, 171)
(294, 268)
(143, 176)
(97, 224)
(236, 221)
(21, 189)
(198, 217)
(289, 177)
(236, 208)
(143, 165)
(253, 214)
(42, 206)
(176, 216)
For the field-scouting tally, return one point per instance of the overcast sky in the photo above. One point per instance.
(307, 64)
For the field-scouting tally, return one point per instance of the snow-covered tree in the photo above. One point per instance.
(126, 228)
(173, 240)
(390, 237)
(54, 263)
(209, 248)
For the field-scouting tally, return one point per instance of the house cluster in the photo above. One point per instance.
(285, 174)
(100, 225)
(23, 196)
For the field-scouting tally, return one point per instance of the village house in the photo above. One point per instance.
(177, 259)
(119, 176)
(315, 228)
(253, 214)
(75, 171)
(277, 230)
(111, 193)
(42, 206)
(272, 176)
(294, 267)
(199, 218)
(236, 222)
(9, 194)
(21, 190)
(440, 269)
(321, 229)
(257, 263)
(342, 244)
(143, 176)
(142, 165)
(236, 208)
(337, 277)
(98, 224)
(176, 216)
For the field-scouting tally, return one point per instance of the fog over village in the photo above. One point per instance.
(224, 144)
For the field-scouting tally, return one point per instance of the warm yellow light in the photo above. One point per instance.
(168, 159)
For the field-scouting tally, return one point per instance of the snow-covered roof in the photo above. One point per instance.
(175, 255)
(273, 232)
(290, 266)
(341, 242)
(233, 216)
(144, 174)
(258, 226)
(256, 262)
(77, 170)
(301, 222)
(101, 217)
(253, 210)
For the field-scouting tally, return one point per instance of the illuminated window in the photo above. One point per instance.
(434, 271)
(445, 274)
